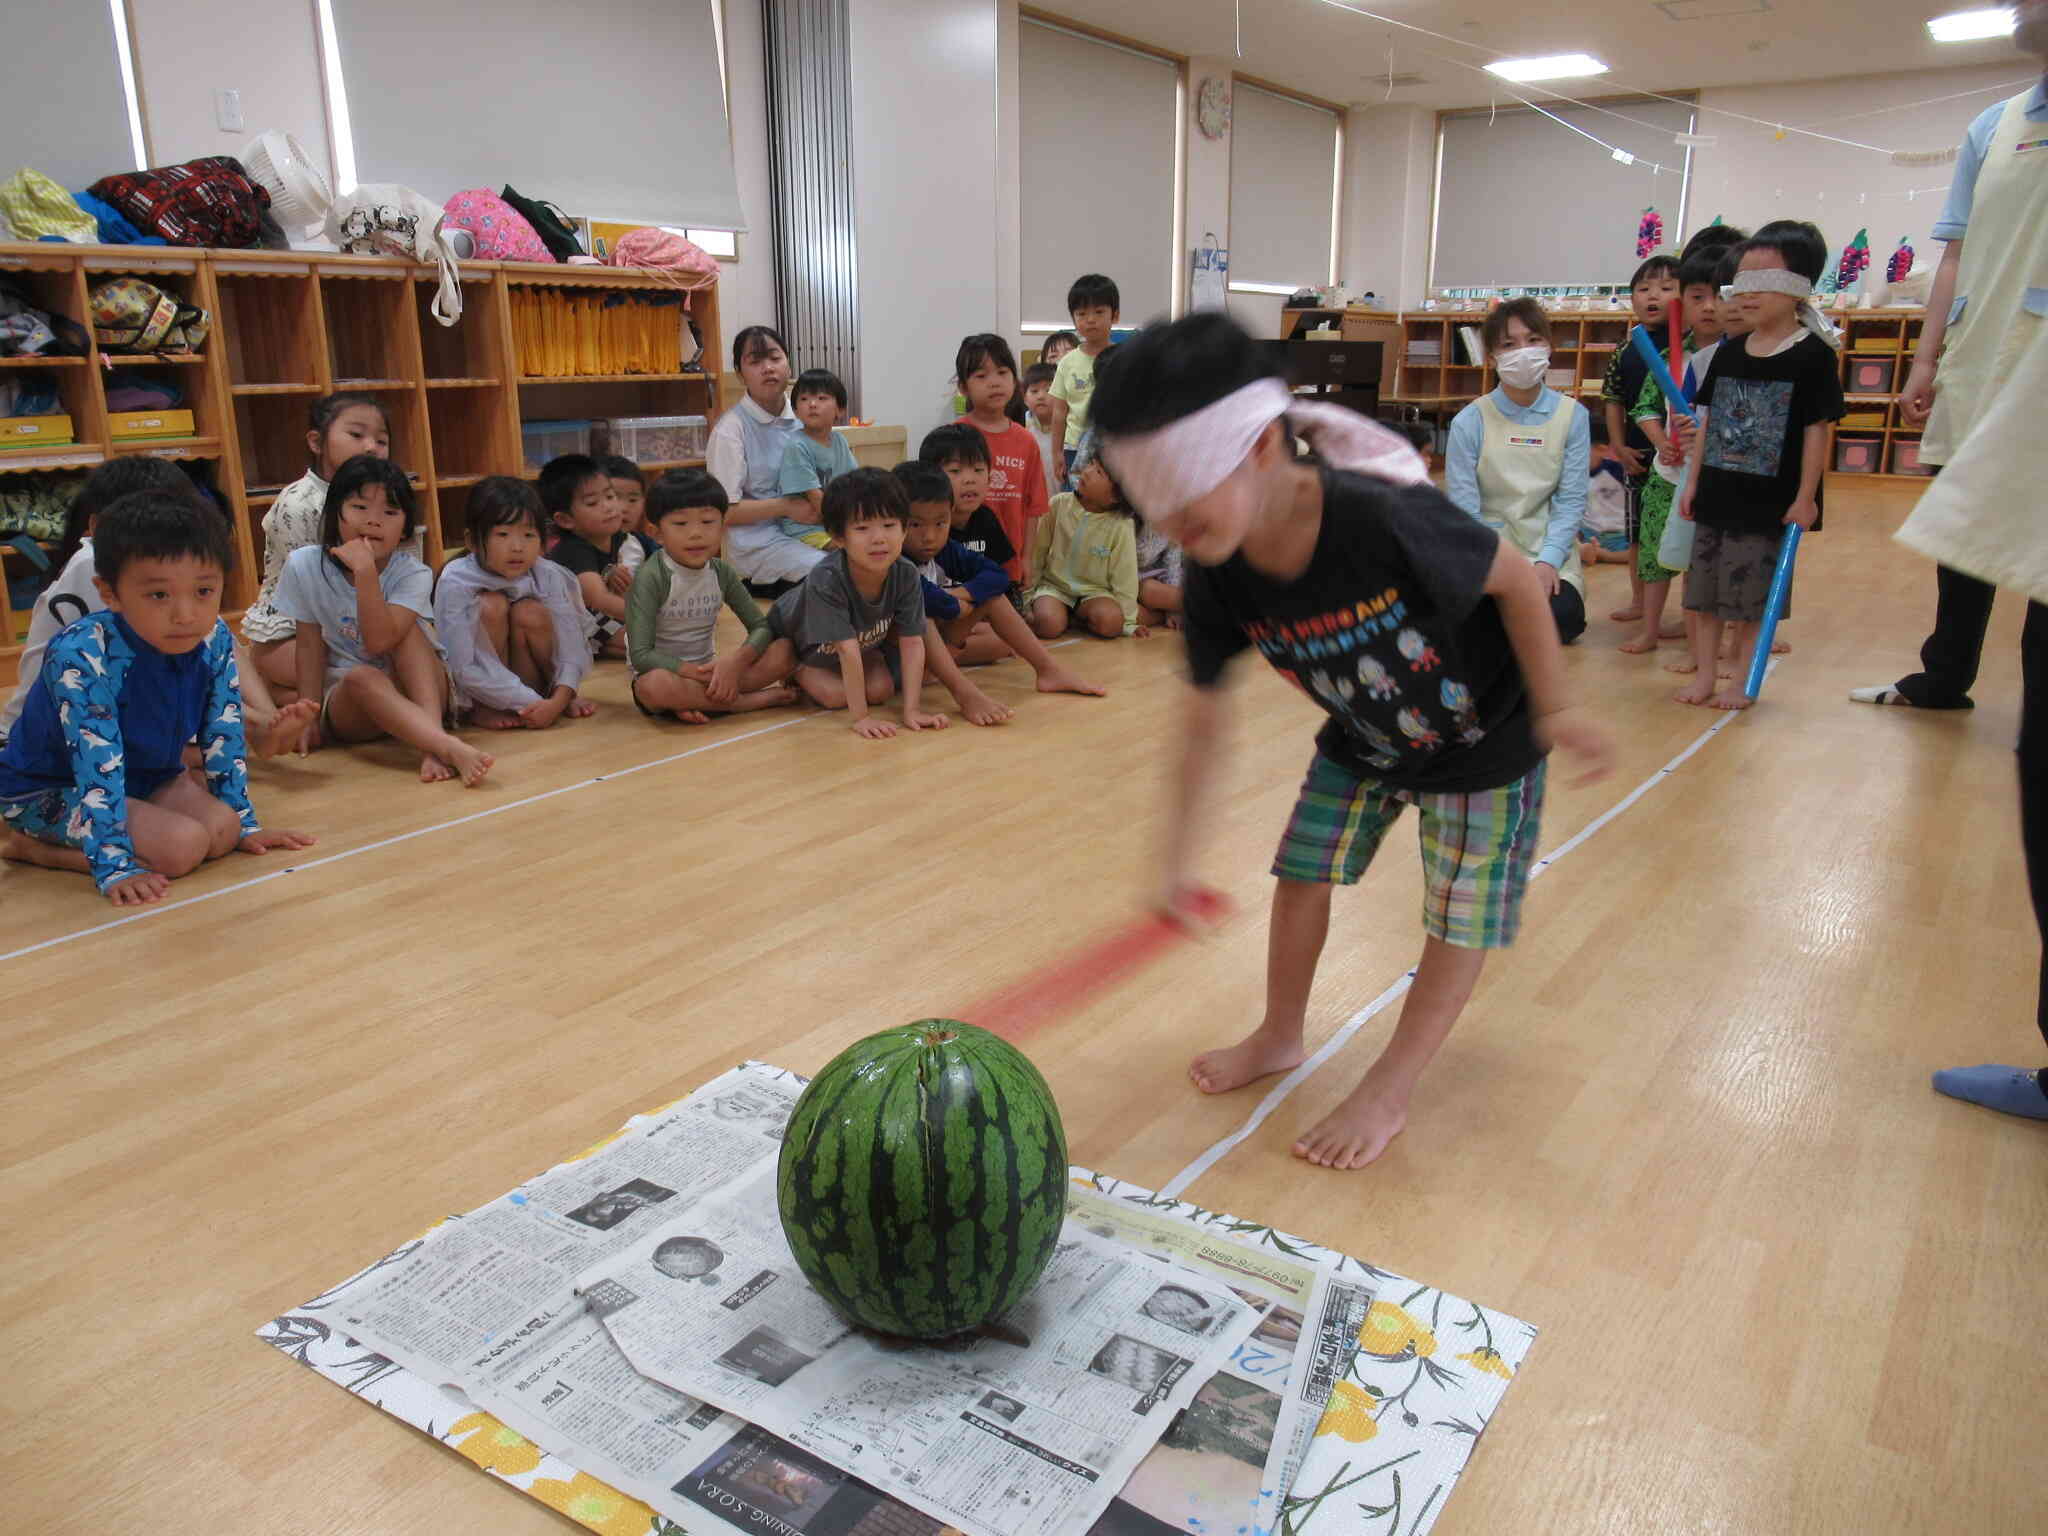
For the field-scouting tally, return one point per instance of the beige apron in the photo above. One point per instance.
(1520, 465)
(2005, 252)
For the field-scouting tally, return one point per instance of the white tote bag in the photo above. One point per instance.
(391, 220)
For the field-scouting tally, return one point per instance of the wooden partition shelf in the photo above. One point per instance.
(292, 326)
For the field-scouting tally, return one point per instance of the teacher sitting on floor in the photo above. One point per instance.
(745, 456)
(1517, 459)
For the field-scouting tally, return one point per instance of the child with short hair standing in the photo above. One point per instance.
(1653, 288)
(672, 612)
(1761, 449)
(93, 778)
(590, 543)
(1424, 635)
(816, 455)
(1038, 417)
(1096, 306)
(356, 600)
(512, 620)
(1016, 480)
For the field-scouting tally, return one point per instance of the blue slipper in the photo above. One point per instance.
(2009, 1090)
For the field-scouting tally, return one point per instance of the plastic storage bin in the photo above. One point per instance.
(1870, 375)
(659, 439)
(1906, 457)
(544, 440)
(1857, 455)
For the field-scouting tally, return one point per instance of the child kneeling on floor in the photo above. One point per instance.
(357, 600)
(1425, 636)
(513, 621)
(1085, 551)
(672, 611)
(93, 777)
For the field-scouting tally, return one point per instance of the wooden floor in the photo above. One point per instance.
(1685, 1126)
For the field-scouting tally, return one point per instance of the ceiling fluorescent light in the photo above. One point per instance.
(1970, 26)
(1557, 66)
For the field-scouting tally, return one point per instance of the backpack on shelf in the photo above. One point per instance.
(549, 222)
(208, 202)
(389, 220)
(665, 253)
(500, 231)
(130, 315)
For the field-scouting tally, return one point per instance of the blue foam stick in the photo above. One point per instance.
(1774, 606)
(1643, 342)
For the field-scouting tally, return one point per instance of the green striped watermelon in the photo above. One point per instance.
(923, 1179)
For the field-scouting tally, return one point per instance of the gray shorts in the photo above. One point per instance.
(1730, 575)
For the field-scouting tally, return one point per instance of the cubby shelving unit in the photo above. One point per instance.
(291, 326)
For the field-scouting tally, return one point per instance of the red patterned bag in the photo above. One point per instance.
(210, 202)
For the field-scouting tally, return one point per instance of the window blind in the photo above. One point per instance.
(1283, 172)
(62, 106)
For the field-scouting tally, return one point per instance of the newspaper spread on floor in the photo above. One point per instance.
(1027, 1427)
(471, 1333)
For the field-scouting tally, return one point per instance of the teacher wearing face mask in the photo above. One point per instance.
(1517, 459)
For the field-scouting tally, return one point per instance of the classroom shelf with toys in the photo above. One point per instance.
(541, 355)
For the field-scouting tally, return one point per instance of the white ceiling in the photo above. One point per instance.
(1318, 48)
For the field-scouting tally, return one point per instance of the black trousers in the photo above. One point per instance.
(2033, 765)
(1569, 609)
(1948, 661)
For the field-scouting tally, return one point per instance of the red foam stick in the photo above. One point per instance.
(1071, 981)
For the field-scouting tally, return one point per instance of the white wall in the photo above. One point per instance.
(925, 101)
(1749, 176)
(266, 49)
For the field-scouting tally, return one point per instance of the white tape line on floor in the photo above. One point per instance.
(1278, 1093)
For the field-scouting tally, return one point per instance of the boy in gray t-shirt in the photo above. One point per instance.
(856, 625)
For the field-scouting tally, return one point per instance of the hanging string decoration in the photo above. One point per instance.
(1855, 259)
(1901, 263)
(1649, 233)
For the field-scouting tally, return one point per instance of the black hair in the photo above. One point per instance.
(328, 407)
(746, 343)
(159, 524)
(678, 488)
(924, 482)
(1119, 502)
(1697, 268)
(353, 478)
(819, 381)
(1800, 245)
(986, 347)
(954, 443)
(1663, 264)
(1493, 333)
(1166, 372)
(1729, 265)
(859, 495)
(500, 501)
(1091, 289)
(563, 476)
(1715, 237)
(1071, 338)
(1039, 373)
(119, 477)
(617, 466)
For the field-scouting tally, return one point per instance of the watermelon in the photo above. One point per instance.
(923, 1179)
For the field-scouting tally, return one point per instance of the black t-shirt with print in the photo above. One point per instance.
(1390, 630)
(1758, 410)
(580, 555)
(983, 534)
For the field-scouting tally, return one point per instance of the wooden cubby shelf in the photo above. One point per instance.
(291, 326)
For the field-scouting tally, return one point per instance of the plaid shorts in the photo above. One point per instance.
(1477, 849)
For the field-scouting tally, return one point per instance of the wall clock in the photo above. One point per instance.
(1212, 107)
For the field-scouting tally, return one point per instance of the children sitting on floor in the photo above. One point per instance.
(579, 498)
(672, 612)
(815, 455)
(962, 453)
(629, 490)
(513, 621)
(1087, 561)
(356, 600)
(1603, 535)
(93, 778)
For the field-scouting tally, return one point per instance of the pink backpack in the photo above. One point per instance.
(500, 232)
(689, 265)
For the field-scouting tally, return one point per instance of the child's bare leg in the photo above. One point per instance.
(187, 796)
(23, 849)
(771, 669)
(1372, 1114)
(978, 644)
(494, 633)
(1049, 618)
(1685, 665)
(1706, 652)
(1159, 596)
(1294, 942)
(691, 703)
(278, 661)
(1732, 694)
(1634, 610)
(1654, 595)
(366, 704)
(270, 727)
(880, 684)
(533, 644)
(1010, 627)
(1101, 616)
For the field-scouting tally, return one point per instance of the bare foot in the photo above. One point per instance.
(23, 849)
(1672, 629)
(1059, 680)
(1642, 645)
(1698, 691)
(1354, 1133)
(1685, 666)
(766, 698)
(469, 762)
(1731, 699)
(1626, 615)
(1781, 647)
(580, 709)
(285, 727)
(1257, 1055)
(433, 770)
(490, 718)
(980, 709)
